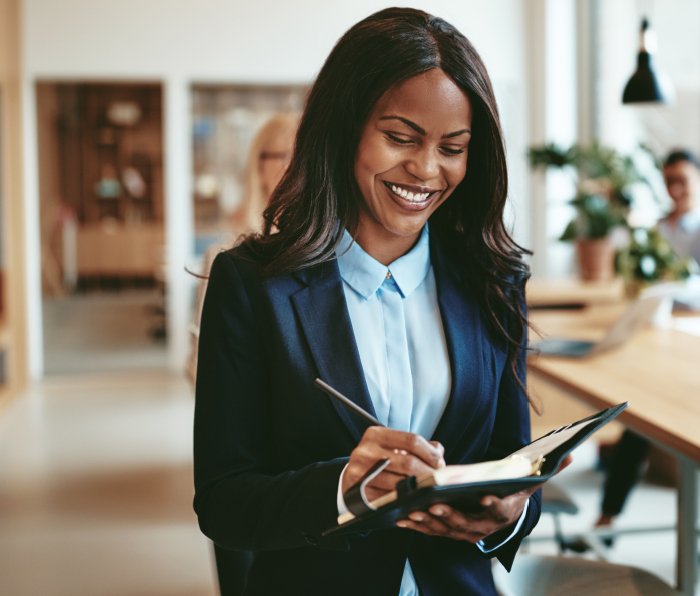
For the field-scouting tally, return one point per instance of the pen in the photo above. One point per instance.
(325, 387)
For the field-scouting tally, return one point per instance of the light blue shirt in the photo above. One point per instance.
(684, 236)
(398, 329)
(409, 332)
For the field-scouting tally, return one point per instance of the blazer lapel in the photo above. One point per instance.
(324, 317)
(463, 332)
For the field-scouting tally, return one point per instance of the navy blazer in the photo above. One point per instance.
(269, 447)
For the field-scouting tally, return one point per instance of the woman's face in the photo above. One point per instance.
(411, 156)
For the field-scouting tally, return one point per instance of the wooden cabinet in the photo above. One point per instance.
(119, 250)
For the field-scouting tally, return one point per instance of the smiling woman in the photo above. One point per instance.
(386, 270)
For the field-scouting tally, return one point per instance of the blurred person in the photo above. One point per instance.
(384, 267)
(268, 158)
(681, 228)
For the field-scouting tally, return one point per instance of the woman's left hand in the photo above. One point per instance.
(443, 520)
(496, 514)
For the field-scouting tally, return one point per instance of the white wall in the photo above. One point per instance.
(224, 39)
(183, 41)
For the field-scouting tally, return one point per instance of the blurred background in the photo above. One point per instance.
(124, 132)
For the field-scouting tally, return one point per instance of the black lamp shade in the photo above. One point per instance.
(644, 86)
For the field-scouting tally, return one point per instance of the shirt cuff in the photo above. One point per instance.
(340, 501)
(481, 544)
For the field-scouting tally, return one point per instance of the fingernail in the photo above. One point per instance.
(441, 463)
(416, 517)
(439, 511)
(487, 502)
(402, 524)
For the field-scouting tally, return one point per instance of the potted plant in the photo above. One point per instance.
(602, 178)
(649, 259)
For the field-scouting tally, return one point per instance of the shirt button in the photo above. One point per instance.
(388, 275)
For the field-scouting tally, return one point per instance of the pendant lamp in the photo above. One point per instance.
(646, 85)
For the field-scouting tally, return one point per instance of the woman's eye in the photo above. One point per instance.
(397, 139)
(452, 151)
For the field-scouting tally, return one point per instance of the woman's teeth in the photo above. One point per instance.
(417, 197)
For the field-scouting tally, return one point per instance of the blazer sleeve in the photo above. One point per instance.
(241, 499)
(511, 431)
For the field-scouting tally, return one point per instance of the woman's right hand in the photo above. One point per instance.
(409, 453)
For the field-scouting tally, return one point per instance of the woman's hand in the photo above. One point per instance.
(497, 514)
(443, 520)
(410, 455)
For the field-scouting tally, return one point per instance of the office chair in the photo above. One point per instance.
(564, 576)
(555, 501)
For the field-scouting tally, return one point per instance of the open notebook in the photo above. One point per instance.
(463, 486)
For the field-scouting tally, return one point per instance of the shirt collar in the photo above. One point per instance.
(365, 274)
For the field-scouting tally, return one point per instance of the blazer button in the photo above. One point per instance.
(312, 540)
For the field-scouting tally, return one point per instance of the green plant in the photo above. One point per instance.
(649, 258)
(595, 218)
(603, 179)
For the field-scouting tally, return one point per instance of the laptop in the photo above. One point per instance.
(639, 314)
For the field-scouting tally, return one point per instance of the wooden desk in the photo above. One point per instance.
(658, 372)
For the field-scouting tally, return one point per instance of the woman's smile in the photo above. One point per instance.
(410, 196)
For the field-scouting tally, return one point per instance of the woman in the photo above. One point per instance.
(268, 158)
(420, 324)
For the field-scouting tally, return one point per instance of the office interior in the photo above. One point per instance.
(124, 128)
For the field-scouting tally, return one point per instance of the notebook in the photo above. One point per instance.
(639, 314)
(462, 486)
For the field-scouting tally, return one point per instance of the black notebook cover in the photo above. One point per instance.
(466, 497)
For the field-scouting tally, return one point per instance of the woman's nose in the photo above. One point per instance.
(424, 164)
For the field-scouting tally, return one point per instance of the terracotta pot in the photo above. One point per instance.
(596, 259)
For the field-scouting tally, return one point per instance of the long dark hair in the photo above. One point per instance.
(318, 196)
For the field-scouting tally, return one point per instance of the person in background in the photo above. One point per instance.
(384, 268)
(268, 158)
(681, 228)
(269, 155)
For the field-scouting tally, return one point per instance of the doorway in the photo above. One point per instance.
(102, 233)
